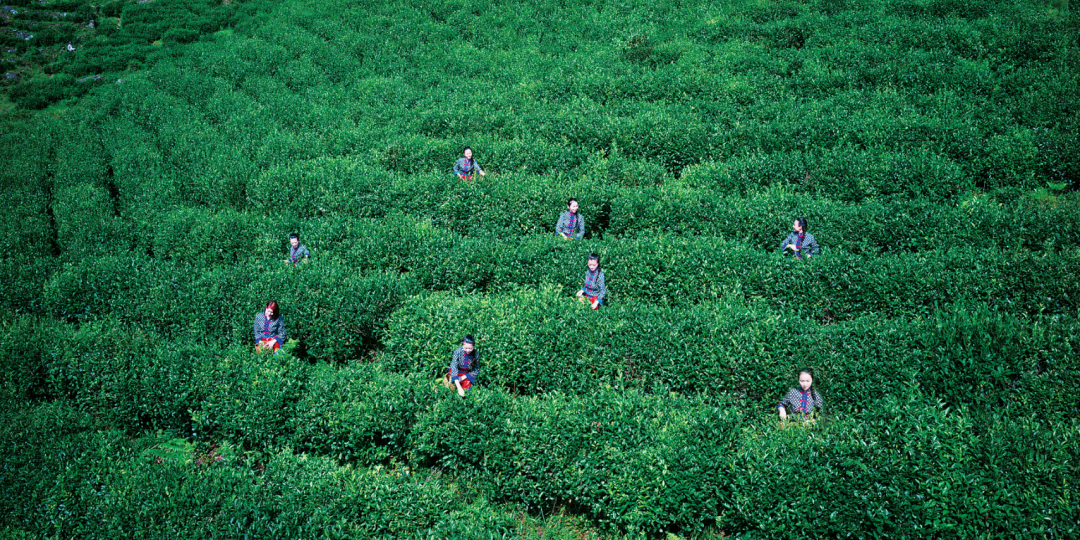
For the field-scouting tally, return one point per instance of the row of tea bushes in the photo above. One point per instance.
(587, 113)
(335, 312)
(905, 468)
(140, 381)
(873, 227)
(534, 342)
(137, 381)
(361, 413)
(82, 219)
(513, 204)
(26, 341)
(670, 269)
(72, 478)
(363, 268)
(641, 463)
(634, 462)
(23, 279)
(635, 459)
(29, 229)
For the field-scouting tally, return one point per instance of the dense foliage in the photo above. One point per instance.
(60, 49)
(933, 145)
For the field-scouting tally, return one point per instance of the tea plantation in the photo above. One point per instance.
(158, 153)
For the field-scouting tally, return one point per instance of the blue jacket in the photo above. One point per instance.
(466, 167)
(809, 244)
(563, 225)
(276, 329)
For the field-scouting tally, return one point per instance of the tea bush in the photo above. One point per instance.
(161, 388)
(75, 480)
(361, 413)
(590, 452)
(840, 174)
(97, 366)
(100, 286)
(55, 464)
(251, 398)
(991, 360)
(30, 232)
(24, 279)
(535, 342)
(760, 480)
(25, 341)
(40, 93)
(334, 312)
(903, 469)
(337, 314)
(201, 238)
(669, 269)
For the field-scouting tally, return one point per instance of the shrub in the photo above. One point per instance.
(181, 35)
(337, 314)
(251, 398)
(87, 362)
(202, 238)
(334, 312)
(95, 287)
(541, 342)
(24, 281)
(29, 227)
(25, 341)
(668, 268)
(536, 342)
(904, 469)
(318, 187)
(84, 220)
(40, 92)
(53, 470)
(361, 413)
(161, 389)
(634, 462)
(989, 360)
(841, 173)
(290, 496)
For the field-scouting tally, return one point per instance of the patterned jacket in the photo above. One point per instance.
(563, 225)
(466, 166)
(794, 400)
(275, 329)
(809, 244)
(457, 364)
(298, 254)
(595, 286)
